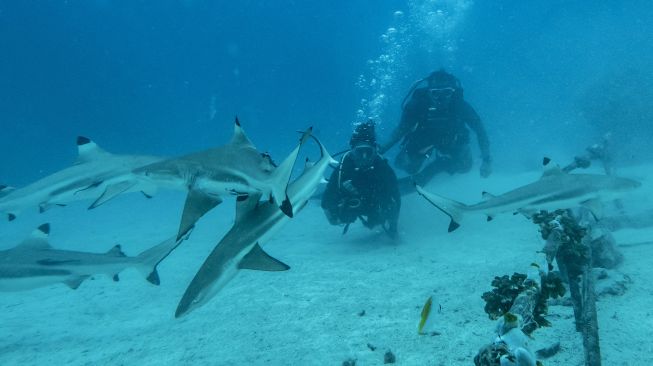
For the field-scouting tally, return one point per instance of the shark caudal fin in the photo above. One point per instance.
(281, 177)
(451, 208)
(148, 261)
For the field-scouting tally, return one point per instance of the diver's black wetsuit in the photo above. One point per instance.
(375, 198)
(440, 132)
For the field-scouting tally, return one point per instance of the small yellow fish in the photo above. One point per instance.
(426, 311)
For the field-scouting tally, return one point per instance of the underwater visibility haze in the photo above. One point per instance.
(119, 151)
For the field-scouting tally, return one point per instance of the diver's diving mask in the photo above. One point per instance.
(363, 155)
(440, 95)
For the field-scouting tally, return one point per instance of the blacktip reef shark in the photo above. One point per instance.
(34, 263)
(240, 248)
(236, 168)
(554, 190)
(97, 175)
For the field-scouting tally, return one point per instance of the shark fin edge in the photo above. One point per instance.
(88, 150)
(116, 251)
(239, 137)
(259, 260)
(75, 282)
(111, 192)
(153, 277)
(197, 205)
(452, 226)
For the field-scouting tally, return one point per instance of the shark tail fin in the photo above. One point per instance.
(281, 177)
(451, 208)
(150, 259)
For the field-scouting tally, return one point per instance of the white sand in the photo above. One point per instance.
(309, 315)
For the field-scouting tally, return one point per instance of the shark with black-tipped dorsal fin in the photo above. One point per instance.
(236, 168)
(554, 190)
(240, 248)
(96, 175)
(34, 263)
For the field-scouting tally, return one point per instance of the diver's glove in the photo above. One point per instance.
(486, 168)
(348, 186)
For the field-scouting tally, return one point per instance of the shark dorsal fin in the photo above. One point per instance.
(259, 260)
(239, 138)
(550, 169)
(244, 204)
(88, 150)
(38, 239)
(487, 195)
(116, 251)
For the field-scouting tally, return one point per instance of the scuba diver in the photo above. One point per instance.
(364, 186)
(434, 124)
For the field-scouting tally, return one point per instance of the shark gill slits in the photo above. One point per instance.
(81, 140)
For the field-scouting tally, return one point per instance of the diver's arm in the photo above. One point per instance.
(331, 198)
(391, 194)
(406, 124)
(399, 132)
(474, 122)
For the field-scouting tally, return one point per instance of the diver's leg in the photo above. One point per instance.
(410, 163)
(461, 160)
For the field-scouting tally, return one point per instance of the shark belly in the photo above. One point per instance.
(21, 279)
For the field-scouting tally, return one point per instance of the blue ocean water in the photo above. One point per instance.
(168, 77)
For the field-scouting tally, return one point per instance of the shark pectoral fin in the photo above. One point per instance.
(197, 204)
(74, 282)
(259, 260)
(286, 207)
(112, 191)
(527, 212)
(90, 186)
(595, 206)
(452, 226)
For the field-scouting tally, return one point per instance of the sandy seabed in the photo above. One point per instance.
(343, 296)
